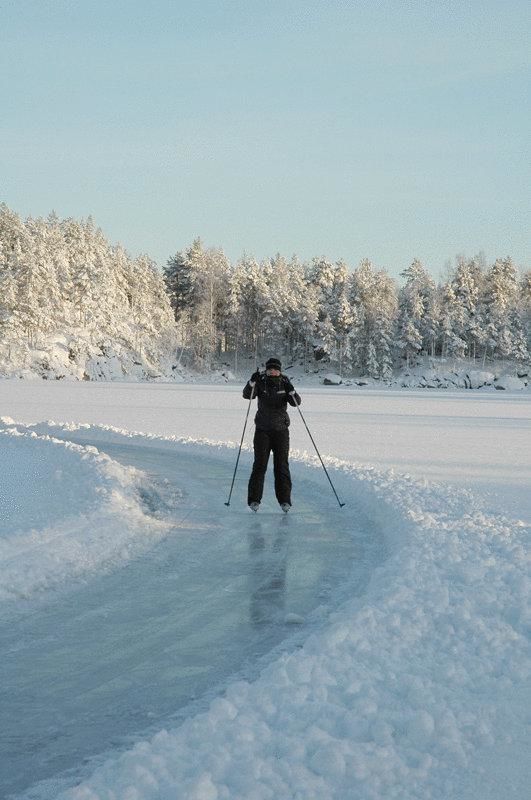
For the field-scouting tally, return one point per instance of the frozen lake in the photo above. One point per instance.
(409, 669)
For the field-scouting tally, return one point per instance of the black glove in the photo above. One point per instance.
(255, 376)
(288, 385)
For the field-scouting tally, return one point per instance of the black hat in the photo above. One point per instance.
(273, 363)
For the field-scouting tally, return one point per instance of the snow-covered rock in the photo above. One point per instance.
(332, 379)
(434, 378)
(509, 383)
(222, 375)
(78, 358)
(478, 378)
(456, 378)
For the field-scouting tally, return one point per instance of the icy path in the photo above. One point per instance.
(101, 664)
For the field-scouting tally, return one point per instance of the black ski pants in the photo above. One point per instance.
(264, 442)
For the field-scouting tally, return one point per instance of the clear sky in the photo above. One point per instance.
(351, 129)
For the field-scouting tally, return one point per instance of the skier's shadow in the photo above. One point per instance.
(268, 554)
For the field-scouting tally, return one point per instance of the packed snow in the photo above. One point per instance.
(414, 683)
(63, 512)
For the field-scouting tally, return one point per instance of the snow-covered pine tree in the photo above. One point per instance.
(152, 316)
(8, 307)
(74, 234)
(519, 351)
(501, 296)
(41, 280)
(452, 346)
(525, 302)
(308, 315)
(467, 285)
(409, 335)
(373, 304)
(321, 276)
(417, 326)
(102, 284)
(31, 271)
(58, 256)
(250, 300)
(205, 274)
(302, 311)
(13, 239)
(276, 320)
(385, 317)
(342, 316)
(120, 301)
(178, 281)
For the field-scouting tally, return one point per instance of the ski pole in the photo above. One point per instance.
(241, 443)
(320, 459)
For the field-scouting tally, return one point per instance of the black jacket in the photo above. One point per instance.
(273, 398)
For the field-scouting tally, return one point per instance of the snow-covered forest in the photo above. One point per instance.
(357, 318)
(73, 304)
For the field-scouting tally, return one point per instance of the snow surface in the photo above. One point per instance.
(62, 512)
(419, 687)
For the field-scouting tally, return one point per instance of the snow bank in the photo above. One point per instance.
(78, 357)
(65, 510)
(510, 383)
(410, 691)
(332, 379)
(441, 378)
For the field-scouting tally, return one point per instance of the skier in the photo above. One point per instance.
(274, 391)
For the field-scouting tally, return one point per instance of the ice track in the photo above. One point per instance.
(99, 664)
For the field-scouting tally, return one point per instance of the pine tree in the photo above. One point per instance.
(321, 277)
(501, 296)
(200, 280)
(74, 234)
(249, 300)
(385, 314)
(178, 281)
(525, 300)
(469, 313)
(518, 350)
(40, 281)
(417, 324)
(374, 307)
(276, 320)
(8, 308)
(451, 345)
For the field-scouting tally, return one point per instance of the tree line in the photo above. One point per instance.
(359, 318)
(62, 276)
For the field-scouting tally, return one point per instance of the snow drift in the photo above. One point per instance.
(65, 510)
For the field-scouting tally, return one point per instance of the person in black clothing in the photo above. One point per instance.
(274, 391)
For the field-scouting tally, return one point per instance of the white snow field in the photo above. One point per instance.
(157, 644)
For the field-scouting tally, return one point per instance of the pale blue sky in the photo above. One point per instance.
(388, 130)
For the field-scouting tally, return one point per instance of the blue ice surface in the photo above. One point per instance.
(104, 663)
